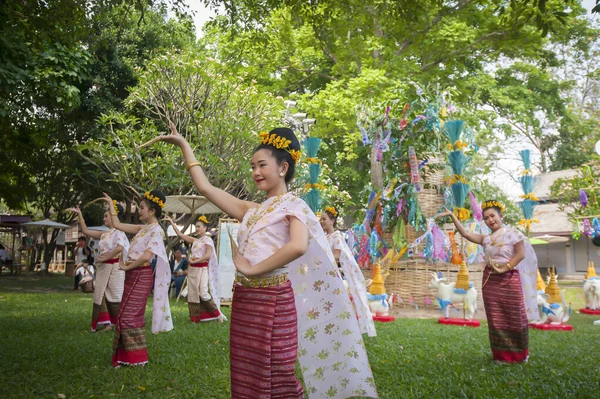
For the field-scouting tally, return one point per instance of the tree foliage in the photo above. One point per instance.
(217, 112)
(500, 59)
(567, 191)
(62, 64)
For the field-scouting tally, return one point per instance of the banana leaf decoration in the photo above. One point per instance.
(526, 158)
(453, 130)
(314, 169)
(458, 161)
(399, 236)
(459, 193)
(313, 196)
(313, 200)
(311, 146)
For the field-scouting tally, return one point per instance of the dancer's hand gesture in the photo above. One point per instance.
(74, 209)
(445, 213)
(242, 264)
(173, 138)
(107, 198)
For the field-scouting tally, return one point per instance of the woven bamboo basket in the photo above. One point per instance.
(411, 278)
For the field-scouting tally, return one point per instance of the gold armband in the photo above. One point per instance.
(187, 168)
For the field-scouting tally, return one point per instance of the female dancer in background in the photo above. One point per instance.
(351, 272)
(108, 288)
(202, 273)
(509, 283)
(129, 344)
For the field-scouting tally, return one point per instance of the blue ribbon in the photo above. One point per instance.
(444, 303)
(548, 311)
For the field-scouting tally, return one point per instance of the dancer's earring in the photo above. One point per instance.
(281, 174)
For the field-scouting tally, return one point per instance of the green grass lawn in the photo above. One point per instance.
(46, 350)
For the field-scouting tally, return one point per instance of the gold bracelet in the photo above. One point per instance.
(509, 266)
(187, 168)
(114, 213)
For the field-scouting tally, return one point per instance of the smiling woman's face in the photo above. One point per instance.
(492, 219)
(265, 170)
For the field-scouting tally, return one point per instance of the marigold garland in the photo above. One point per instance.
(456, 179)
(527, 223)
(203, 219)
(490, 204)
(530, 196)
(462, 213)
(316, 186)
(313, 160)
(115, 207)
(154, 199)
(459, 145)
(280, 143)
(331, 210)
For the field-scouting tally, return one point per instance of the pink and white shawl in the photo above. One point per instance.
(331, 351)
(110, 240)
(356, 282)
(500, 247)
(151, 238)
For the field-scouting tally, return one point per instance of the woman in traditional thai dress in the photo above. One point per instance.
(351, 272)
(289, 301)
(203, 274)
(129, 343)
(108, 287)
(509, 284)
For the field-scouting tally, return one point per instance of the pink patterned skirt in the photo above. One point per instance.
(507, 319)
(264, 343)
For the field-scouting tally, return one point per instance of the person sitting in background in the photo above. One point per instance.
(85, 271)
(82, 252)
(3, 254)
(179, 266)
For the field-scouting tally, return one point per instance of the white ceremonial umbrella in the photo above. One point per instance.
(192, 204)
(46, 223)
(190, 230)
(98, 228)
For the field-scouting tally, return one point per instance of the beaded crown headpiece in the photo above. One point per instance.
(281, 143)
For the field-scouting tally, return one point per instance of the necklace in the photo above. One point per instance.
(262, 211)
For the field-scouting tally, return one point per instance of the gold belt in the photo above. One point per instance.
(261, 281)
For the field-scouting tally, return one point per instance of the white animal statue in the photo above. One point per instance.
(553, 313)
(378, 304)
(447, 295)
(591, 293)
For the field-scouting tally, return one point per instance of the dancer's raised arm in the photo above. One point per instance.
(473, 237)
(83, 226)
(125, 227)
(229, 204)
(184, 237)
